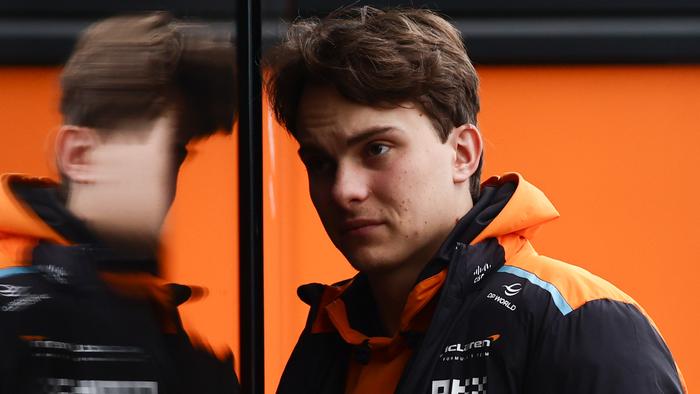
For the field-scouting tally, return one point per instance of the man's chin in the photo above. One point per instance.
(370, 262)
(364, 256)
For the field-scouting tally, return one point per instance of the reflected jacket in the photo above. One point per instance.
(487, 315)
(76, 317)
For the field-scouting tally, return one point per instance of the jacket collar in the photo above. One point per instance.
(523, 214)
(491, 202)
(17, 218)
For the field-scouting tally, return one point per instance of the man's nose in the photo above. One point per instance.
(350, 186)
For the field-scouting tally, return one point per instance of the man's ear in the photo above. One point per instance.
(468, 145)
(74, 147)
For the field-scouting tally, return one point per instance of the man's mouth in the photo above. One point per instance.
(358, 227)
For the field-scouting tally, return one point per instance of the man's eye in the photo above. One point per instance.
(377, 149)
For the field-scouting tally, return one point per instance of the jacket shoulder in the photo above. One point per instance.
(569, 286)
(603, 331)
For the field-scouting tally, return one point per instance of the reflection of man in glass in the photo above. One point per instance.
(81, 306)
(450, 297)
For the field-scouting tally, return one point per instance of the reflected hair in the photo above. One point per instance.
(135, 68)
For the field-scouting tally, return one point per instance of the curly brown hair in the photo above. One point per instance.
(133, 68)
(378, 58)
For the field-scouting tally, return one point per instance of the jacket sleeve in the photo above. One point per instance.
(603, 347)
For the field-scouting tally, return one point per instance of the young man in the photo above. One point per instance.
(82, 309)
(450, 297)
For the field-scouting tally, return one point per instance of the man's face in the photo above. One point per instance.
(131, 183)
(381, 180)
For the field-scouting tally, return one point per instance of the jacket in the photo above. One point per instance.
(79, 317)
(503, 319)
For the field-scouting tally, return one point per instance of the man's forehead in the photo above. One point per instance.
(319, 107)
(326, 116)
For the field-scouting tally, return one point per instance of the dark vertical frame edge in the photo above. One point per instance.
(248, 33)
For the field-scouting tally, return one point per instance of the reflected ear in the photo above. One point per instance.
(467, 143)
(74, 147)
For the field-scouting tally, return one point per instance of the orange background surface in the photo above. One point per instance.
(615, 148)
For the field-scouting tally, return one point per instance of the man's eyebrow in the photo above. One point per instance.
(309, 148)
(369, 133)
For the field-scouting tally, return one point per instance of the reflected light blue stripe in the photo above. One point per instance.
(558, 299)
(16, 271)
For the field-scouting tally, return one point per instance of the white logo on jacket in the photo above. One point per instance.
(21, 297)
(469, 350)
(500, 300)
(480, 271)
(12, 291)
(513, 289)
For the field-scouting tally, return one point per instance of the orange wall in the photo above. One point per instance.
(613, 147)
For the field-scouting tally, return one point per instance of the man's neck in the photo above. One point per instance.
(127, 245)
(391, 288)
(390, 291)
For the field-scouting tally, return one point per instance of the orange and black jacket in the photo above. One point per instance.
(75, 317)
(488, 315)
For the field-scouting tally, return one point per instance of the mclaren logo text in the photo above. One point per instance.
(463, 351)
